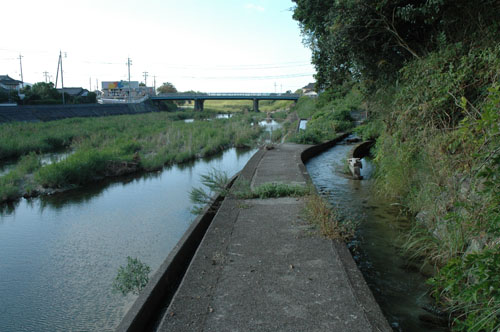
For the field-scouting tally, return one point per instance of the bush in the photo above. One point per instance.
(132, 278)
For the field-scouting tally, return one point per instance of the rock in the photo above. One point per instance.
(475, 245)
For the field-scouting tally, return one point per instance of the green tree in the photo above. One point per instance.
(166, 88)
(373, 39)
(41, 92)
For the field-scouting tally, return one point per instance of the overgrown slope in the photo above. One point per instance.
(429, 71)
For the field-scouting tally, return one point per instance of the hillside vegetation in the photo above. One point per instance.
(429, 74)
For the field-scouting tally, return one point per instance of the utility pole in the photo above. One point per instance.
(96, 84)
(145, 78)
(59, 64)
(90, 83)
(274, 87)
(129, 63)
(21, 65)
(46, 74)
(154, 91)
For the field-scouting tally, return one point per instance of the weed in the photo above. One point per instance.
(242, 190)
(132, 278)
(216, 182)
(327, 219)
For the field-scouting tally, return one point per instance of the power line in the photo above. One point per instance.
(249, 77)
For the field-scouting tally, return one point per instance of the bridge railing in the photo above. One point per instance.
(228, 94)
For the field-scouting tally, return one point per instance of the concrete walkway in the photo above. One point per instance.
(261, 267)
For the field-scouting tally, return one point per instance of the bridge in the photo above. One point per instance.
(199, 98)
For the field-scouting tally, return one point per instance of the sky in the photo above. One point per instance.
(209, 46)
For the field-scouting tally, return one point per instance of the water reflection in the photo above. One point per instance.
(60, 253)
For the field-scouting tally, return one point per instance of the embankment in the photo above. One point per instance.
(39, 113)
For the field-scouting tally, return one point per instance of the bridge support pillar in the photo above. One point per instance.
(198, 104)
(255, 105)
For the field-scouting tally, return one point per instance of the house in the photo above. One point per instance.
(75, 92)
(308, 88)
(8, 83)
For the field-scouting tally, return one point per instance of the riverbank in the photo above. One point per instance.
(112, 146)
(57, 112)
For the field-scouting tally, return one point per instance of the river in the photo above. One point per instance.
(60, 253)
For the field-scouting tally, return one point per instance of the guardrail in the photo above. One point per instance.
(228, 94)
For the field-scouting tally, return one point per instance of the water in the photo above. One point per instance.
(218, 116)
(59, 254)
(400, 292)
(302, 124)
(269, 125)
(7, 166)
(45, 159)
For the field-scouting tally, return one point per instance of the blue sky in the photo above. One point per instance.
(213, 46)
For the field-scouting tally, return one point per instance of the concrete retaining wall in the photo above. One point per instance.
(158, 293)
(39, 113)
(361, 150)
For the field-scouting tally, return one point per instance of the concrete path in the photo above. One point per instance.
(261, 267)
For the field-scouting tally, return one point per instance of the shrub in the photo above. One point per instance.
(132, 278)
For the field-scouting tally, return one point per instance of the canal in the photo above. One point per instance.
(400, 291)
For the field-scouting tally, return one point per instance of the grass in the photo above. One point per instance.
(327, 219)
(110, 146)
(229, 106)
(216, 182)
(243, 190)
(328, 115)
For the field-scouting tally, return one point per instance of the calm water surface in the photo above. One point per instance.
(401, 293)
(60, 254)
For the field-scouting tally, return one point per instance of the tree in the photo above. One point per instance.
(373, 39)
(42, 92)
(166, 88)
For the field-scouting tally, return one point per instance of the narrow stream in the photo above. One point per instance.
(59, 254)
(400, 292)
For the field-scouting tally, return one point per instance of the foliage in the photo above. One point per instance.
(10, 183)
(8, 96)
(216, 182)
(328, 115)
(275, 190)
(243, 190)
(229, 106)
(371, 130)
(166, 88)
(429, 71)
(110, 146)
(42, 93)
(469, 287)
(375, 38)
(131, 278)
(326, 218)
(438, 154)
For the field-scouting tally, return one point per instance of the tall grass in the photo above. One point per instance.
(327, 219)
(117, 145)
